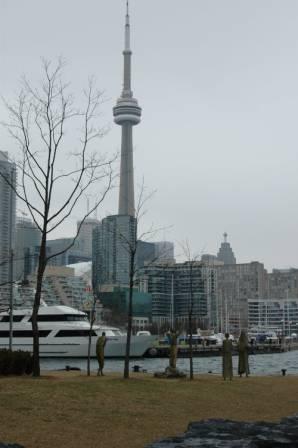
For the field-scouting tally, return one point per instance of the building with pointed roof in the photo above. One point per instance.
(225, 253)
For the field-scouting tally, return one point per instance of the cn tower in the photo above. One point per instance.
(127, 114)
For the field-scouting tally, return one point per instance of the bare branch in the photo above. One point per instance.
(38, 119)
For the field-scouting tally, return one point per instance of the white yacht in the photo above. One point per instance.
(262, 334)
(64, 332)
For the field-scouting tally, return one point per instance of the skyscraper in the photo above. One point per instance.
(28, 238)
(7, 215)
(225, 253)
(127, 113)
(113, 240)
(84, 238)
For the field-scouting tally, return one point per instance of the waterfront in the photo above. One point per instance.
(269, 364)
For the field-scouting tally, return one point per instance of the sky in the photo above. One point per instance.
(218, 84)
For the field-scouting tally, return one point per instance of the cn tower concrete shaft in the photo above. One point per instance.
(127, 113)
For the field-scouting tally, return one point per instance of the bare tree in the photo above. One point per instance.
(130, 245)
(52, 180)
(191, 261)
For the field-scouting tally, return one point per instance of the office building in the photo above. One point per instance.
(236, 285)
(283, 283)
(65, 256)
(145, 253)
(115, 302)
(164, 251)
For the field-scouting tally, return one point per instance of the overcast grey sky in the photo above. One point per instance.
(218, 84)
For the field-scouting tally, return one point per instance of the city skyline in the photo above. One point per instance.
(219, 92)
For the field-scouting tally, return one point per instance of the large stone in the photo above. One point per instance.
(170, 372)
(10, 445)
(217, 433)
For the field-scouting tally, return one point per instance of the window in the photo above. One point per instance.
(60, 318)
(73, 333)
(24, 333)
(15, 318)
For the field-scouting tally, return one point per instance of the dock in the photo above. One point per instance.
(162, 351)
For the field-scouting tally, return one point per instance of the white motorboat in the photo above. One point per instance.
(262, 335)
(64, 332)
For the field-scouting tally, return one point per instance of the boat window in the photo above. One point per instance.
(24, 333)
(15, 318)
(61, 318)
(72, 333)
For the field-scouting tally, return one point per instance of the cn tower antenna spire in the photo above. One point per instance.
(127, 114)
(127, 29)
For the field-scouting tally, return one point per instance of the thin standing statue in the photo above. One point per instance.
(173, 337)
(227, 364)
(100, 352)
(243, 366)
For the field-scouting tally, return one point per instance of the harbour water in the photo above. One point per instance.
(269, 364)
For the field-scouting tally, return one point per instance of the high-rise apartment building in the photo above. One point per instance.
(61, 286)
(113, 241)
(280, 315)
(28, 238)
(84, 239)
(173, 286)
(7, 219)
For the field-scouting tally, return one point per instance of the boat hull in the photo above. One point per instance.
(115, 347)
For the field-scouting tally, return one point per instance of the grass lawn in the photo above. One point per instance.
(69, 409)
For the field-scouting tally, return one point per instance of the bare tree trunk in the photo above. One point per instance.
(40, 273)
(92, 318)
(89, 345)
(190, 347)
(190, 324)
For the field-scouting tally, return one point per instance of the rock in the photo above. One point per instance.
(216, 433)
(170, 372)
(10, 445)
